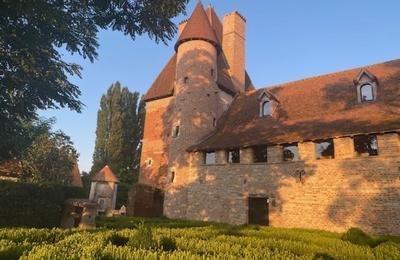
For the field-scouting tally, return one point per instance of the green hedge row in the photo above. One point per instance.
(34, 205)
(208, 242)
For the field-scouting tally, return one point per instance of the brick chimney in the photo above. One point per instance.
(234, 45)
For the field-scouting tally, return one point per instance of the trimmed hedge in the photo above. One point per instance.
(207, 242)
(34, 205)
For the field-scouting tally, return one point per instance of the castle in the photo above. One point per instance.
(321, 153)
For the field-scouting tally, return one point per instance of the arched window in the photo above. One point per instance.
(266, 108)
(367, 93)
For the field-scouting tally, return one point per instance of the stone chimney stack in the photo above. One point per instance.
(234, 45)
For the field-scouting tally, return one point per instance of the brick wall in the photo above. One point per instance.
(234, 46)
(157, 132)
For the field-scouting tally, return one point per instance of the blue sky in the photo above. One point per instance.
(286, 40)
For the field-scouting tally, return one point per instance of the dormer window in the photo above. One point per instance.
(266, 108)
(367, 85)
(267, 104)
(367, 93)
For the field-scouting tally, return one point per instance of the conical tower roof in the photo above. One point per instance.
(198, 27)
(215, 22)
(106, 175)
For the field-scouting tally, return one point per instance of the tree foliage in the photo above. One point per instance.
(118, 133)
(49, 158)
(33, 74)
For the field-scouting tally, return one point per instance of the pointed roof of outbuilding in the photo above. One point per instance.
(198, 27)
(106, 175)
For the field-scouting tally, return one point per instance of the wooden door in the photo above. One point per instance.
(258, 211)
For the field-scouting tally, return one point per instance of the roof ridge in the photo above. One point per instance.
(287, 84)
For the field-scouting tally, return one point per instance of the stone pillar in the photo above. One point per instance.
(246, 155)
(275, 153)
(221, 157)
(389, 144)
(307, 151)
(344, 147)
(88, 216)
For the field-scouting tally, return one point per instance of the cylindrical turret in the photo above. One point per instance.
(197, 103)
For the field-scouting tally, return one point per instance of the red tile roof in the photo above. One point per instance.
(198, 27)
(163, 86)
(215, 23)
(313, 108)
(106, 175)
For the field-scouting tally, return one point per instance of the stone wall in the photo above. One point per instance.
(331, 194)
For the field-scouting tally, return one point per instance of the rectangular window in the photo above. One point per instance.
(324, 149)
(260, 153)
(366, 145)
(291, 152)
(209, 158)
(233, 156)
(175, 131)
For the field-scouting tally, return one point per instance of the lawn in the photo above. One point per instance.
(135, 238)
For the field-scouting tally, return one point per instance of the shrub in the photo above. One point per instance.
(118, 240)
(231, 231)
(387, 250)
(34, 205)
(143, 237)
(358, 237)
(10, 250)
(167, 243)
(186, 243)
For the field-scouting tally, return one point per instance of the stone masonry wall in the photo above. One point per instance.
(331, 194)
(198, 102)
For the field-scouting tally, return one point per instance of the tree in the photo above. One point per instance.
(33, 74)
(118, 133)
(50, 158)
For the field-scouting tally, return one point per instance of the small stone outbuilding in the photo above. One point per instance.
(103, 190)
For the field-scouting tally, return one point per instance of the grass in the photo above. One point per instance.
(161, 238)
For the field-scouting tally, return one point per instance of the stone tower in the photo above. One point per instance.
(197, 103)
(184, 104)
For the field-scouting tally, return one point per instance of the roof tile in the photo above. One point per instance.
(106, 174)
(314, 108)
(198, 27)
